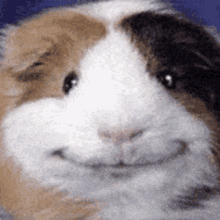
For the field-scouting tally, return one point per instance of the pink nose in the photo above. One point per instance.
(119, 136)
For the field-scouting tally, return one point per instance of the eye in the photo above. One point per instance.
(167, 79)
(70, 81)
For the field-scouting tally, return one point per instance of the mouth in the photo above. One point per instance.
(121, 166)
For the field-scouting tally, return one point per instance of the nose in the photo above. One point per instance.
(119, 136)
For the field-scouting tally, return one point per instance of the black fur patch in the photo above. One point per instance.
(184, 49)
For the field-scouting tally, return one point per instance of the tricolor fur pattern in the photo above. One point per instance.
(110, 111)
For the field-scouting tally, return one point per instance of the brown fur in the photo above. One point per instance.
(68, 35)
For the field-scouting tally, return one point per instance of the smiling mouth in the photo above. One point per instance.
(121, 166)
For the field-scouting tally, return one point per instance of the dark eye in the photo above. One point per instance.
(70, 81)
(167, 79)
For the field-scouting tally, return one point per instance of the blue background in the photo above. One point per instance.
(202, 11)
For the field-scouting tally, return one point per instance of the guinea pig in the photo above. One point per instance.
(110, 111)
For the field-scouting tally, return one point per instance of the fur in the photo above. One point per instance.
(110, 111)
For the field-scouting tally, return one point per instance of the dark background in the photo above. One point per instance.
(206, 12)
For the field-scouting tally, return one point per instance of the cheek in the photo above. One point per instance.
(208, 128)
(198, 111)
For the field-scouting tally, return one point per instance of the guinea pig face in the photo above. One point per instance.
(117, 102)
